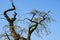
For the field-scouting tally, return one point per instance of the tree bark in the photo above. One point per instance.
(11, 21)
(31, 29)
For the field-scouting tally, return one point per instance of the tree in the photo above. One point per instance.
(37, 23)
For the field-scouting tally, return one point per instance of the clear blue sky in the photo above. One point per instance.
(42, 5)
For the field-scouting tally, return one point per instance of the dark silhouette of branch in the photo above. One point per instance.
(31, 28)
(11, 9)
(34, 12)
(7, 36)
(31, 20)
(11, 21)
(14, 18)
(34, 26)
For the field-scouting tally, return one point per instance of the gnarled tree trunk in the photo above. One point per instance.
(11, 21)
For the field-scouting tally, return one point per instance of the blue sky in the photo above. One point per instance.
(24, 6)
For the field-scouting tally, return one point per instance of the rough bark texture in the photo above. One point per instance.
(11, 25)
(11, 21)
(31, 30)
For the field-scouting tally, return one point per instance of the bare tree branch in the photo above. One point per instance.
(7, 36)
(11, 9)
(13, 32)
